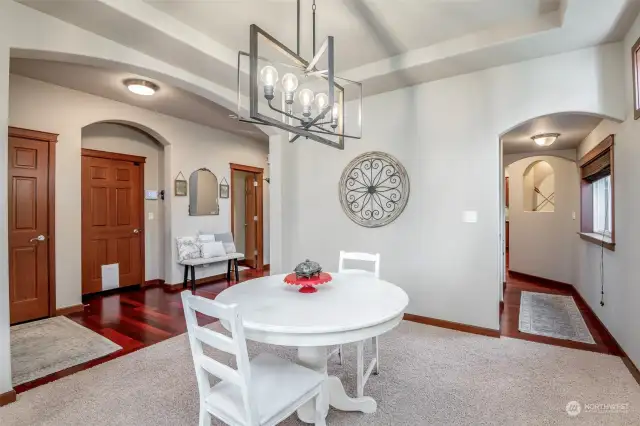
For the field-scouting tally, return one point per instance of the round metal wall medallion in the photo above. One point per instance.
(374, 189)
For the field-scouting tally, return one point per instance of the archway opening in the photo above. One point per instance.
(130, 207)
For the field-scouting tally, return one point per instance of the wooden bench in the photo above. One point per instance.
(190, 264)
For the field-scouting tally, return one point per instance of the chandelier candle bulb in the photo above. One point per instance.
(322, 100)
(306, 98)
(334, 115)
(269, 76)
(289, 86)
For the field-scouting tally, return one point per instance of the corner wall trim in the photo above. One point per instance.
(544, 281)
(452, 325)
(69, 310)
(199, 281)
(633, 369)
(153, 283)
(7, 397)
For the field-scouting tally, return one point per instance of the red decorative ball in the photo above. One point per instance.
(308, 283)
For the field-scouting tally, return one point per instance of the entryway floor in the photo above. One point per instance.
(511, 315)
(136, 318)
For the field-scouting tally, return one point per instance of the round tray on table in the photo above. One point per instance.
(308, 283)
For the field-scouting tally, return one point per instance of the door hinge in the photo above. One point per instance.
(255, 183)
(255, 252)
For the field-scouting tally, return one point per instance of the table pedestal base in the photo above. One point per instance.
(332, 391)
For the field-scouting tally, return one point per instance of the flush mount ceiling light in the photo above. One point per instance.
(545, 139)
(305, 98)
(141, 87)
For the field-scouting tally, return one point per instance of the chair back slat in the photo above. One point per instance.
(214, 310)
(367, 257)
(235, 345)
(220, 370)
(216, 340)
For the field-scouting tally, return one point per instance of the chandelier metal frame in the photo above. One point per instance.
(307, 126)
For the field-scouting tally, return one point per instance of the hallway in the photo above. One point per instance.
(517, 283)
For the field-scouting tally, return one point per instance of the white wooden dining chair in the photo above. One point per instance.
(374, 366)
(264, 391)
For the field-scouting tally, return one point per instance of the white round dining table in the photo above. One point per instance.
(350, 308)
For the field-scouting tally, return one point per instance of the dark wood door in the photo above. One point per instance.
(112, 208)
(28, 229)
(250, 220)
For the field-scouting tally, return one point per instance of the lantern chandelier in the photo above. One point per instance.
(309, 100)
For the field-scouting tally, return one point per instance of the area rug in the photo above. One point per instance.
(44, 347)
(428, 376)
(552, 315)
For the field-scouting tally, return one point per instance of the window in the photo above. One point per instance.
(597, 224)
(635, 72)
(602, 220)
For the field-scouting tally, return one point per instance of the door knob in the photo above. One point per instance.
(137, 231)
(38, 238)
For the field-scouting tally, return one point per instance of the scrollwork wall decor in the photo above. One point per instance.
(374, 189)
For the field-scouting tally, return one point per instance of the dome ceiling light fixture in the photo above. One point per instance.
(545, 139)
(141, 87)
(303, 97)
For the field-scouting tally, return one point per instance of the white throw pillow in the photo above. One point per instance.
(188, 248)
(209, 249)
(206, 238)
(229, 247)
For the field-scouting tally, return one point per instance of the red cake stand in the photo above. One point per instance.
(307, 283)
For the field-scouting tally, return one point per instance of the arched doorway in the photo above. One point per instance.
(541, 211)
(123, 215)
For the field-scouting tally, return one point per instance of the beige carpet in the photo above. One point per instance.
(40, 348)
(429, 376)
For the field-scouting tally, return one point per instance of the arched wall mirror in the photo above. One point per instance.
(203, 193)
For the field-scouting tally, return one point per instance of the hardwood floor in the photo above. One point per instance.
(135, 318)
(511, 313)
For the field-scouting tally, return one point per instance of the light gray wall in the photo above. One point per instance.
(126, 140)
(5, 350)
(187, 147)
(446, 134)
(543, 243)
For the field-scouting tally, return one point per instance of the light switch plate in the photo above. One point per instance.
(470, 216)
(150, 216)
(150, 194)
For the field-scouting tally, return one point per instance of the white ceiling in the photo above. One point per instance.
(385, 44)
(403, 24)
(108, 83)
(573, 128)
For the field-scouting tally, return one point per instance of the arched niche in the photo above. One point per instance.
(538, 187)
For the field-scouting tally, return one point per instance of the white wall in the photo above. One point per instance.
(5, 352)
(621, 310)
(46, 107)
(446, 134)
(127, 140)
(543, 243)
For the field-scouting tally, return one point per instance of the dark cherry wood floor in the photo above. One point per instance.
(511, 314)
(135, 318)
